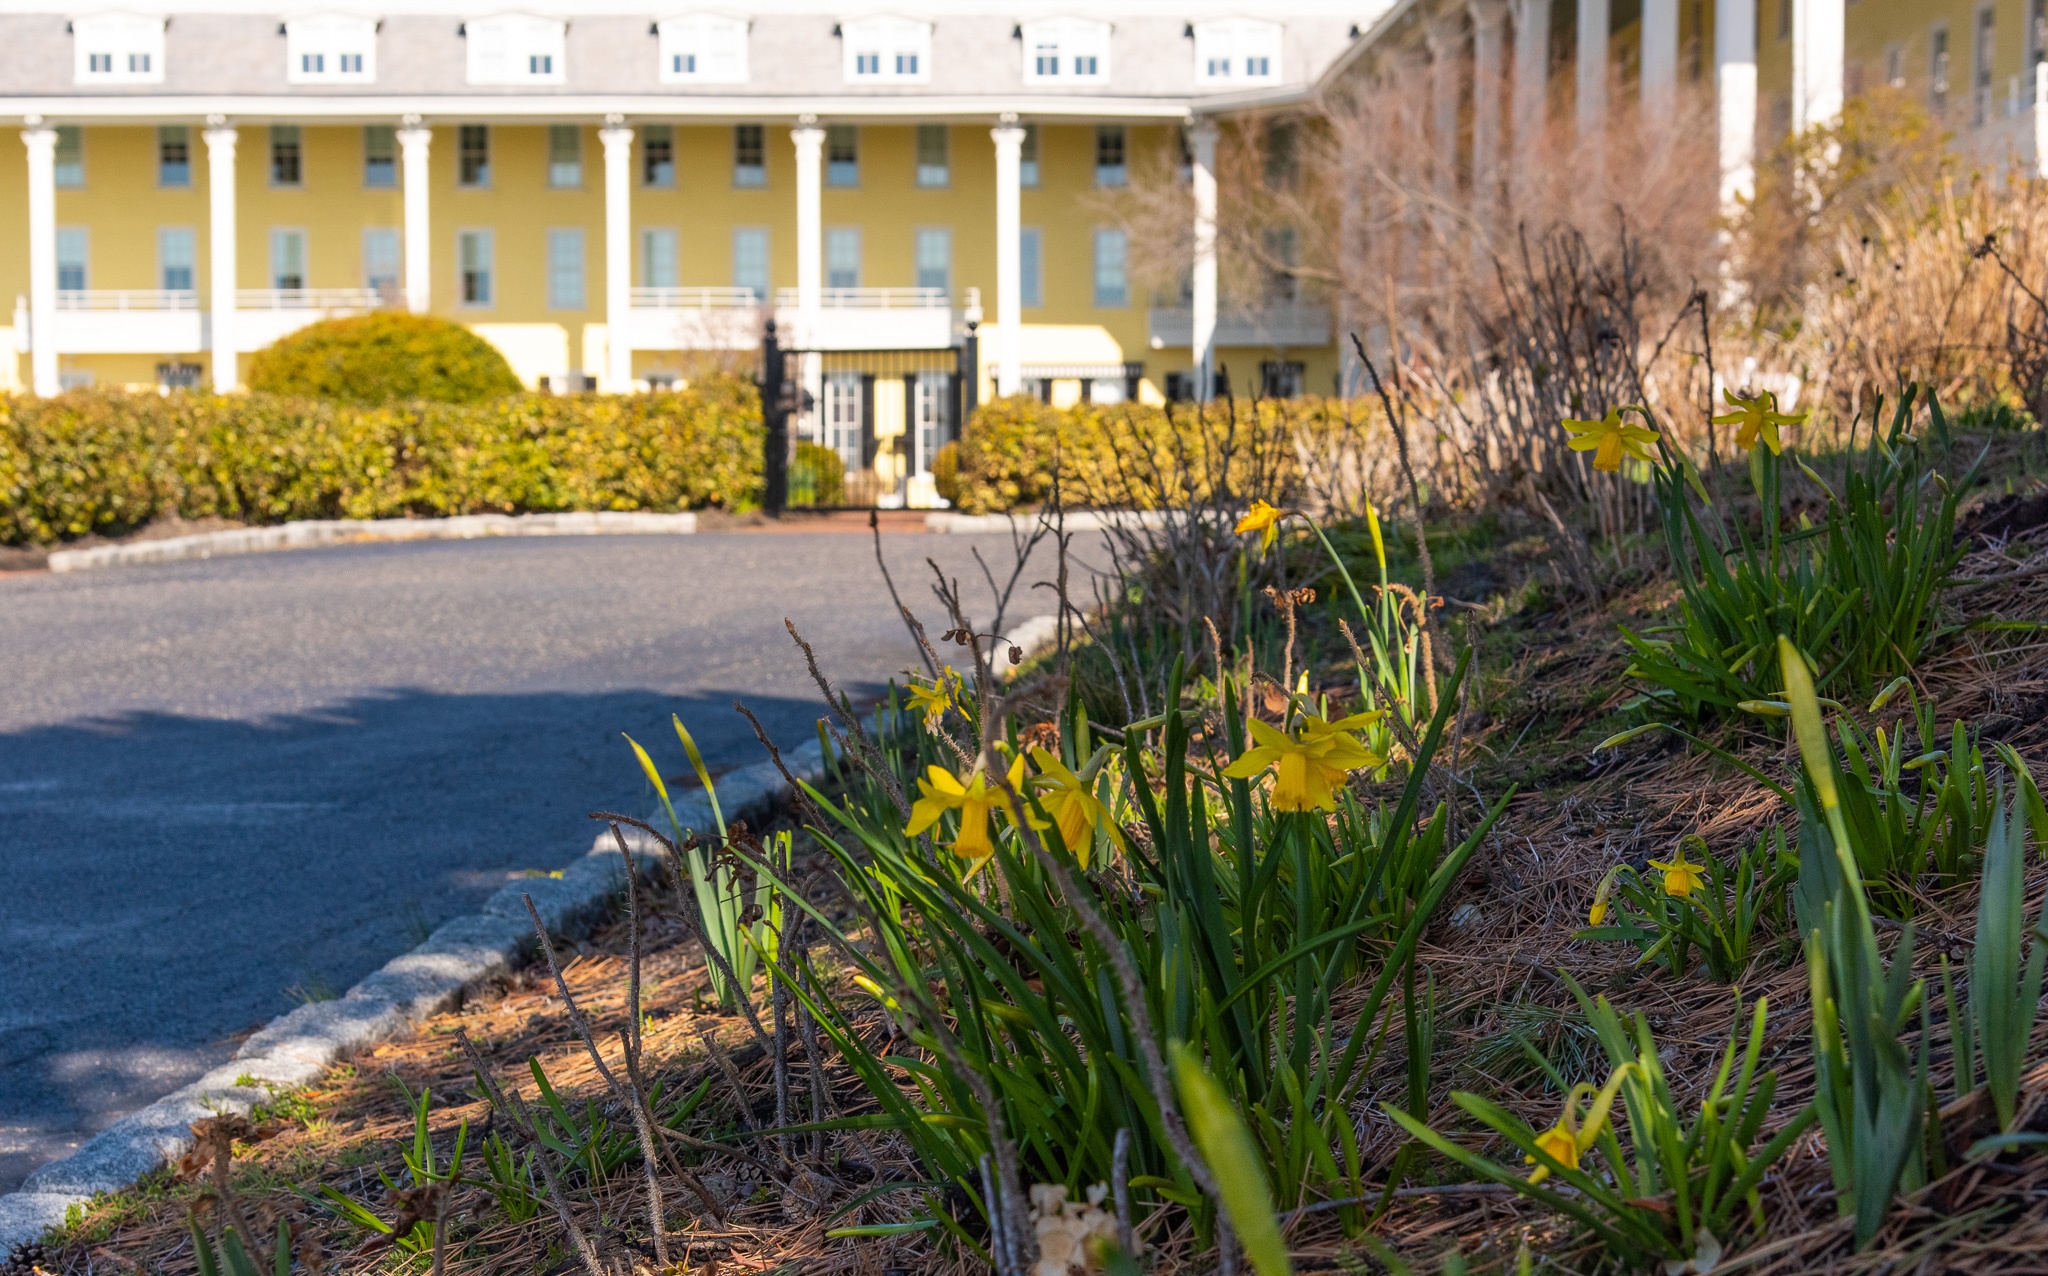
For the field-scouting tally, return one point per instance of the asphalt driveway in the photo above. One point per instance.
(227, 785)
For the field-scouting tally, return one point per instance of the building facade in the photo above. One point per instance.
(613, 195)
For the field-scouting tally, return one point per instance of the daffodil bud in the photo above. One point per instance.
(1766, 708)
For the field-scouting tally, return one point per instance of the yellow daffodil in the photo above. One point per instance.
(1263, 519)
(941, 791)
(1756, 416)
(1568, 1140)
(933, 701)
(1071, 805)
(1305, 770)
(1610, 438)
(1598, 913)
(1681, 877)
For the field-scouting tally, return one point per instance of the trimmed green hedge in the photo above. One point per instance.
(381, 358)
(1132, 454)
(105, 462)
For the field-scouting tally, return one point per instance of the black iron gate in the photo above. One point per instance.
(858, 429)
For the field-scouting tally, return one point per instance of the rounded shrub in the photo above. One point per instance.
(817, 476)
(386, 357)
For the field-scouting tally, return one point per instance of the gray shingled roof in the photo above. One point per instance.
(790, 55)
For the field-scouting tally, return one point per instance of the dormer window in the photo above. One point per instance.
(516, 48)
(117, 48)
(1237, 53)
(887, 51)
(703, 49)
(1066, 51)
(330, 49)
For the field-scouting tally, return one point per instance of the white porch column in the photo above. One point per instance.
(618, 255)
(220, 252)
(810, 221)
(2041, 119)
(1488, 19)
(1735, 100)
(1202, 147)
(1532, 72)
(1351, 160)
(413, 140)
(1659, 84)
(41, 141)
(1819, 43)
(1445, 38)
(1594, 19)
(1009, 140)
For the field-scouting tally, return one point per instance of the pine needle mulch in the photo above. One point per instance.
(1501, 958)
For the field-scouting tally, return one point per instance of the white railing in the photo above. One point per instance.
(695, 299)
(870, 299)
(127, 299)
(308, 299)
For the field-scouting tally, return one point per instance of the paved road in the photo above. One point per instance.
(228, 784)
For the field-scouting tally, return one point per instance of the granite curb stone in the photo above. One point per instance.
(297, 1047)
(340, 531)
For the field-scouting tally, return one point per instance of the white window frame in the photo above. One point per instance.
(568, 263)
(749, 234)
(889, 41)
(393, 236)
(131, 44)
(187, 237)
(332, 39)
(656, 244)
(1233, 45)
(702, 48)
(517, 48)
(836, 235)
(81, 238)
(1068, 42)
(489, 240)
(280, 238)
(931, 234)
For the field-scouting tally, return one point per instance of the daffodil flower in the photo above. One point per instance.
(1568, 1140)
(933, 701)
(941, 791)
(1306, 769)
(1598, 912)
(1263, 519)
(1681, 877)
(1071, 805)
(1610, 438)
(1756, 416)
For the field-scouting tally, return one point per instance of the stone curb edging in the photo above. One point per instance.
(341, 531)
(297, 1047)
(1076, 521)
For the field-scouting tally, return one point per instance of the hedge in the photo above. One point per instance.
(104, 462)
(382, 358)
(1135, 455)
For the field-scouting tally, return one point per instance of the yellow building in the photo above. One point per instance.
(923, 202)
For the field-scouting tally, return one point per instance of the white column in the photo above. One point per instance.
(810, 221)
(1735, 99)
(1009, 140)
(220, 252)
(413, 140)
(1445, 38)
(1532, 72)
(1351, 161)
(618, 255)
(41, 141)
(1819, 43)
(1488, 19)
(2041, 119)
(1659, 83)
(1202, 147)
(1594, 19)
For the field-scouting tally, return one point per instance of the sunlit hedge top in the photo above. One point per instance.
(383, 358)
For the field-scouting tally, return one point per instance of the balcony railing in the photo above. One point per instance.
(695, 298)
(149, 299)
(328, 299)
(1285, 324)
(870, 299)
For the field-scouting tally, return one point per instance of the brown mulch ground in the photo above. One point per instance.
(1496, 959)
